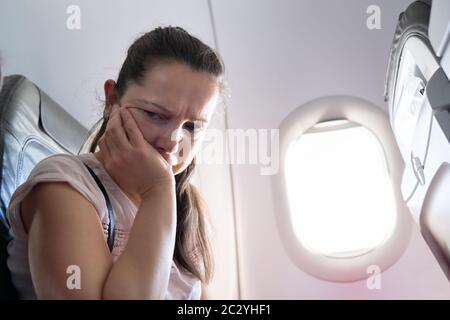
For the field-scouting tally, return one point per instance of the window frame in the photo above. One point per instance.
(368, 115)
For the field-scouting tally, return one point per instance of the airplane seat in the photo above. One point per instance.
(32, 127)
(418, 94)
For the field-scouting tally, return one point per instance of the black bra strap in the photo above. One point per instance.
(111, 230)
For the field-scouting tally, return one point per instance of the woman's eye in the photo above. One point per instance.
(193, 128)
(152, 115)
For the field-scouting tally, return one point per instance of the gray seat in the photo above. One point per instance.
(32, 127)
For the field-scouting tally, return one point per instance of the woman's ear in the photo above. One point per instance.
(111, 96)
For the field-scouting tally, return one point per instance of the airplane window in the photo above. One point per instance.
(340, 196)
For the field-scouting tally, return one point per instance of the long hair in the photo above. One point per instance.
(173, 44)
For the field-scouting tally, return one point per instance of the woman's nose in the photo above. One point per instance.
(170, 140)
(169, 146)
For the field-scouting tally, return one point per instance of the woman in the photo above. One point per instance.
(165, 95)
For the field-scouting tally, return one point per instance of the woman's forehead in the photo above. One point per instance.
(176, 86)
(178, 78)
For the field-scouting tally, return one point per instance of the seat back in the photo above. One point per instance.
(32, 127)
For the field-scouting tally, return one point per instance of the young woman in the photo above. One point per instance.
(154, 120)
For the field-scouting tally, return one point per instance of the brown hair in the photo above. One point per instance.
(174, 44)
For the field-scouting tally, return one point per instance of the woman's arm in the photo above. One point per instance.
(64, 230)
(143, 269)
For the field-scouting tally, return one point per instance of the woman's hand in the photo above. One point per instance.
(135, 165)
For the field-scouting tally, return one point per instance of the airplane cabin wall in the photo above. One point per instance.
(280, 55)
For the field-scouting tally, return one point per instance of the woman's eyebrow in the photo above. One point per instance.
(143, 101)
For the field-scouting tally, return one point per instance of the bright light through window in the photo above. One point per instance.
(340, 195)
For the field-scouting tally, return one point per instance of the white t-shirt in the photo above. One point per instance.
(70, 169)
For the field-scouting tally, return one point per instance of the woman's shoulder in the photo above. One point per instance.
(71, 169)
(64, 166)
(60, 163)
(59, 167)
(55, 168)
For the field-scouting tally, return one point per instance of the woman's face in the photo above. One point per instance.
(172, 107)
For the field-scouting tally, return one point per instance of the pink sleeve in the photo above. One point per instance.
(58, 167)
